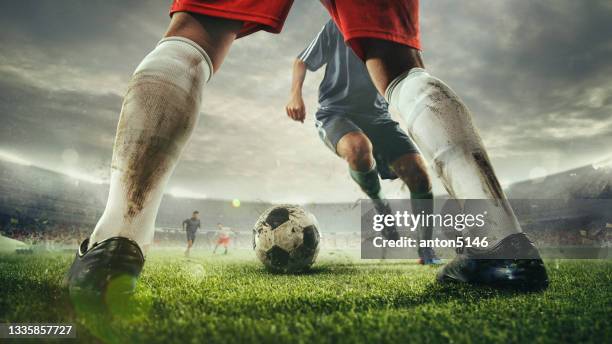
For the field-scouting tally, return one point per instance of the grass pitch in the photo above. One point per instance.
(219, 299)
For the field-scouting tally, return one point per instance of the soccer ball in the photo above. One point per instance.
(286, 238)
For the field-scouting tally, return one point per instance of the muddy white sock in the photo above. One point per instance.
(159, 112)
(441, 126)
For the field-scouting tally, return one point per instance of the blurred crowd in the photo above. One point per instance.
(207, 238)
(601, 237)
(50, 235)
(57, 235)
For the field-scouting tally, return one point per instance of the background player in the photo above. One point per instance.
(353, 120)
(191, 226)
(223, 238)
(163, 102)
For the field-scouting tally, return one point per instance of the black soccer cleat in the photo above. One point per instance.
(427, 256)
(105, 273)
(513, 263)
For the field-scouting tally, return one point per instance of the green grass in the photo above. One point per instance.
(343, 300)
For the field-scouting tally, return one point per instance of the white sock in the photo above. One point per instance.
(442, 128)
(159, 112)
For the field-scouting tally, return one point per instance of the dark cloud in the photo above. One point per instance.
(534, 73)
(43, 123)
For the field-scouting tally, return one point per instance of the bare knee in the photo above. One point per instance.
(214, 35)
(356, 149)
(412, 169)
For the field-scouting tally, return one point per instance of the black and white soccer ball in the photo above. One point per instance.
(286, 238)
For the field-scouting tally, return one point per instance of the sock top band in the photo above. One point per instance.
(421, 195)
(196, 46)
(399, 79)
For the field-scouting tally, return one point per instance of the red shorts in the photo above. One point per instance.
(223, 241)
(268, 15)
(396, 21)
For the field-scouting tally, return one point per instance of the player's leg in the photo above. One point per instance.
(193, 237)
(439, 123)
(189, 243)
(396, 150)
(161, 107)
(412, 170)
(343, 137)
(356, 149)
(442, 127)
(159, 112)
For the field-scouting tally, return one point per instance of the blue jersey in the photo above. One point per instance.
(347, 86)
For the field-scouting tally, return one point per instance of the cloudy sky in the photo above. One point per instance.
(536, 75)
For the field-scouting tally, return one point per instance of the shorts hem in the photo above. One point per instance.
(354, 34)
(257, 21)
